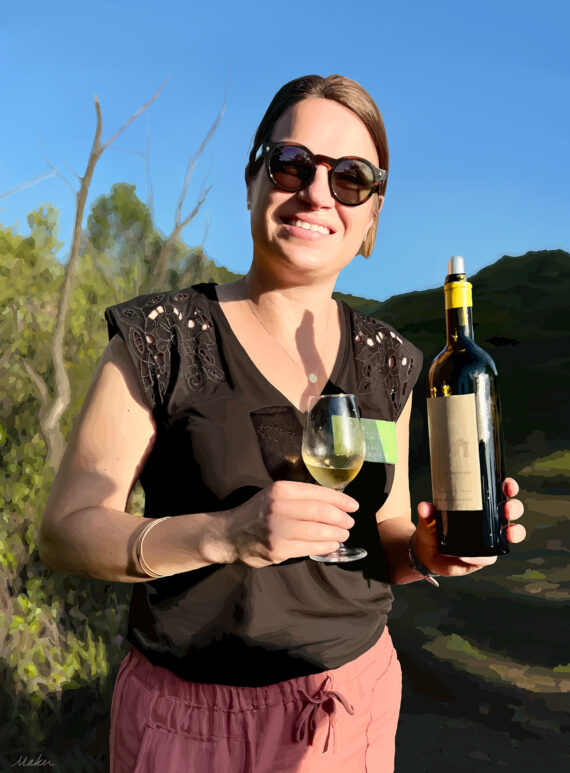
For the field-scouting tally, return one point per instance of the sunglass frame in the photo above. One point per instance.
(267, 148)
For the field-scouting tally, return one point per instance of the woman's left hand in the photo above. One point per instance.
(425, 537)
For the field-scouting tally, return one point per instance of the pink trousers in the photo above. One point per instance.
(343, 719)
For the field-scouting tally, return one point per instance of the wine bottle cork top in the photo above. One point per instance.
(456, 265)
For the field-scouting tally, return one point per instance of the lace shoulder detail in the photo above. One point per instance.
(166, 332)
(384, 360)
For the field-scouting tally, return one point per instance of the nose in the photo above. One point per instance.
(318, 193)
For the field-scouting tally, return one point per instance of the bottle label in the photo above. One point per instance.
(454, 453)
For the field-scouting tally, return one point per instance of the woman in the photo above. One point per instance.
(246, 655)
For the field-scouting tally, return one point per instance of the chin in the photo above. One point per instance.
(312, 263)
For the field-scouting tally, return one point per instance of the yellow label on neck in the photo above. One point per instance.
(458, 294)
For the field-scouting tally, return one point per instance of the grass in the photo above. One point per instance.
(490, 666)
(555, 464)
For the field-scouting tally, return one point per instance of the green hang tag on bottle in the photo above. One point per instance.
(342, 429)
(379, 437)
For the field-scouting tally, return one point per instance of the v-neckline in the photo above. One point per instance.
(339, 360)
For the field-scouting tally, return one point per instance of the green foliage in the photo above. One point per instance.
(521, 308)
(63, 635)
(529, 574)
(455, 643)
(122, 244)
(557, 463)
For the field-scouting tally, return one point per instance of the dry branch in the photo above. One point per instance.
(28, 183)
(50, 419)
(159, 277)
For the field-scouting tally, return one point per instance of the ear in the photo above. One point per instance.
(375, 215)
(247, 182)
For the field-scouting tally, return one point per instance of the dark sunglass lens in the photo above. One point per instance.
(352, 181)
(290, 167)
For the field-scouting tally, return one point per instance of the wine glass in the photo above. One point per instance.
(333, 451)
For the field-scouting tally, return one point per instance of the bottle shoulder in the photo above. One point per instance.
(459, 371)
(467, 355)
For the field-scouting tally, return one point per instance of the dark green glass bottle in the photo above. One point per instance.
(466, 447)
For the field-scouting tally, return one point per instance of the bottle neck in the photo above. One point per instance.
(458, 310)
(458, 324)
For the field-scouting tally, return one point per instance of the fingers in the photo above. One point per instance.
(514, 508)
(309, 531)
(426, 512)
(477, 562)
(515, 533)
(449, 566)
(296, 490)
(320, 512)
(302, 549)
(459, 567)
(510, 487)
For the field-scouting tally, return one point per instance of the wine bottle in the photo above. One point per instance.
(465, 437)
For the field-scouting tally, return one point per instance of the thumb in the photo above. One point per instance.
(426, 513)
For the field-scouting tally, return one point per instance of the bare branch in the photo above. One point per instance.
(34, 375)
(160, 273)
(19, 325)
(11, 350)
(50, 418)
(129, 150)
(28, 183)
(226, 87)
(192, 163)
(55, 169)
(37, 380)
(206, 229)
(98, 131)
(9, 353)
(71, 169)
(134, 116)
(65, 180)
(194, 212)
(149, 190)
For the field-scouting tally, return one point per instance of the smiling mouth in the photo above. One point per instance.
(307, 226)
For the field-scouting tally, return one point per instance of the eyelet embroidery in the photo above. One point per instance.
(154, 323)
(382, 359)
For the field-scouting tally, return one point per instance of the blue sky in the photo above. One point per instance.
(475, 97)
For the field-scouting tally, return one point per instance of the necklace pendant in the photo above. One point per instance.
(313, 378)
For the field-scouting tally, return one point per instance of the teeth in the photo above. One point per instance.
(310, 227)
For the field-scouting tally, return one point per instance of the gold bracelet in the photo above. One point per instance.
(139, 548)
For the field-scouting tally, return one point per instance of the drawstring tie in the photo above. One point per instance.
(307, 720)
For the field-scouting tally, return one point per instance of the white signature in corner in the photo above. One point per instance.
(29, 762)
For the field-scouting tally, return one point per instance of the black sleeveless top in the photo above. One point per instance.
(223, 433)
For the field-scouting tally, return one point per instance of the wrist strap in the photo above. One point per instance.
(417, 565)
(139, 548)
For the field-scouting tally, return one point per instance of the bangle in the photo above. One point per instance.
(415, 564)
(139, 548)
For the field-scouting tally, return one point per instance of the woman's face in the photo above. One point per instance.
(327, 128)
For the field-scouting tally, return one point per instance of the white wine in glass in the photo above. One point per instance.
(333, 451)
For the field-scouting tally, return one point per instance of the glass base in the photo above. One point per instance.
(341, 555)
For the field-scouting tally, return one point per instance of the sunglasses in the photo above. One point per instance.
(292, 167)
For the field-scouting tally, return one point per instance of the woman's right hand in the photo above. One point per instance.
(288, 519)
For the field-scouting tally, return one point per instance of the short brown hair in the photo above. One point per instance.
(346, 92)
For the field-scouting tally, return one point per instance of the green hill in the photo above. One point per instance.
(521, 308)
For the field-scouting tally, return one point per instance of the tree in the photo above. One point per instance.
(53, 408)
